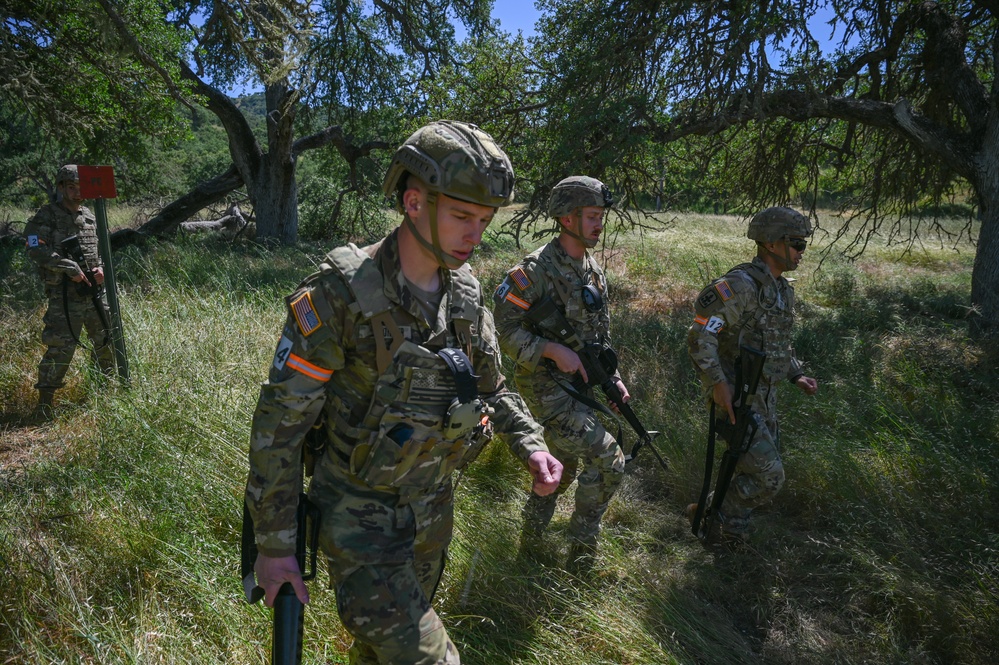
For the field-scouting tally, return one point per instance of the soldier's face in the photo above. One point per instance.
(792, 250)
(590, 224)
(460, 226)
(70, 192)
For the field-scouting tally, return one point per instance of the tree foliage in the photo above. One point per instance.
(894, 100)
(65, 65)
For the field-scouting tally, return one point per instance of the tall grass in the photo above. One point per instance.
(119, 519)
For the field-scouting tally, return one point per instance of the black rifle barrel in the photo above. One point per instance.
(289, 627)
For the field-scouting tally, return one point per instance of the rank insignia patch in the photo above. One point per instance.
(723, 290)
(305, 314)
(519, 278)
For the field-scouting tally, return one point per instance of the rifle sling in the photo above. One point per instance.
(709, 463)
(587, 400)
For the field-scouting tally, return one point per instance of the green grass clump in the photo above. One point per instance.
(119, 520)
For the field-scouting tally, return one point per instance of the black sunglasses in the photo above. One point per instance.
(798, 244)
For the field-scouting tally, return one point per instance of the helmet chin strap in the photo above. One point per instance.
(589, 243)
(785, 260)
(444, 260)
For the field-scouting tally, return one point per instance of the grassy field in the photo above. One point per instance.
(119, 520)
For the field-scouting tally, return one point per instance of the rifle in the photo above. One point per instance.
(289, 613)
(748, 370)
(600, 363)
(71, 246)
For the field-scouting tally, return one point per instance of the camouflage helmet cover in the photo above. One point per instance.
(578, 192)
(456, 159)
(776, 223)
(68, 173)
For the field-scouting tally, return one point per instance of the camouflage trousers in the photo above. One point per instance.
(758, 477)
(60, 335)
(574, 433)
(386, 555)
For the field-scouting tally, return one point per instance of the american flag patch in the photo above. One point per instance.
(305, 314)
(519, 278)
(723, 290)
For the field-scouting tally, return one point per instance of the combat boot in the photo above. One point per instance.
(582, 556)
(43, 410)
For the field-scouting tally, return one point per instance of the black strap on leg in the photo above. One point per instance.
(709, 463)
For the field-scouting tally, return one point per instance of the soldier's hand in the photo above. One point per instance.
(272, 572)
(723, 397)
(81, 277)
(547, 472)
(98, 274)
(808, 385)
(625, 396)
(565, 359)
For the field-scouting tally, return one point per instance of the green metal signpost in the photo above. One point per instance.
(97, 183)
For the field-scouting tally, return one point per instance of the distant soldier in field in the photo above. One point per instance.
(564, 270)
(71, 307)
(752, 305)
(391, 352)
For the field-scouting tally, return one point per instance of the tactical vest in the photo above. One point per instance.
(62, 224)
(568, 293)
(401, 443)
(772, 319)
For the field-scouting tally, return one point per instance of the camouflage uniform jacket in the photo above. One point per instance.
(746, 306)
(549, 270)
(327, 364)
(44, 232)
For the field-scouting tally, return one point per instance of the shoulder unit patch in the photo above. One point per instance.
(305, 313)
(707, 297)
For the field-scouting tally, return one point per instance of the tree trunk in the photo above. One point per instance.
(205, 194)
(276, 201)
(984, 323)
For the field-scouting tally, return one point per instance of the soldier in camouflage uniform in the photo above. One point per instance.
(751, 305)
(391, 352)
(545, 367)
(44, 233)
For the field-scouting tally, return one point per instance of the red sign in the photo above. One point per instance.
(97, 182)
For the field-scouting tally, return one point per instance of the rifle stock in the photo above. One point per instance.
(289, 612)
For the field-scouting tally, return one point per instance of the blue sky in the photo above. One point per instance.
(516, 15)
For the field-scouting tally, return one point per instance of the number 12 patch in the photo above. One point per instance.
(714, 325)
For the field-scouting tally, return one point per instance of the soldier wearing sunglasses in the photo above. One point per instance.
(751, 305)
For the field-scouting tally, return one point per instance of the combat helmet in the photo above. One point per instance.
(578, 191)
(67, 173)
(778, 223)
(458, 160)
